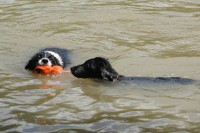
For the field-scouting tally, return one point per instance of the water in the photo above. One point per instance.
(140, 38)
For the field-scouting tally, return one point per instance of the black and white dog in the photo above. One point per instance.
(49, 57)
(100, 68)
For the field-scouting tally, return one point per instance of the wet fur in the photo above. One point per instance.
(63, 54)
(100, 68)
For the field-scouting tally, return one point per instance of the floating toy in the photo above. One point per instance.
(48, 70)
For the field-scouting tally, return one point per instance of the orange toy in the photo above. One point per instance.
(56, 70)
(48, 70)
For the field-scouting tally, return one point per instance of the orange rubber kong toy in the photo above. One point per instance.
(48, 70)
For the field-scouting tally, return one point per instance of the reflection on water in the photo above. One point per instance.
(140, 38)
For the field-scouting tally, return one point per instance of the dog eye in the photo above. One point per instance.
(39, 55)
(50, 57)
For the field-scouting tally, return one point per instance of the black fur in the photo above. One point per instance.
(47, 57)
(100, 68)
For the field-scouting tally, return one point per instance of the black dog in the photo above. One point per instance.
(49, 57)
(100, 68)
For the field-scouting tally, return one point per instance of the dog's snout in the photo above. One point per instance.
(45, 61)
(74, 70)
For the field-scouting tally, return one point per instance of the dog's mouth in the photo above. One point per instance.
(74, 71)
(38, 71)
(43, 70)
(43, 65)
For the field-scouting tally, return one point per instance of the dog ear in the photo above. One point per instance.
(31, 64)
(106, 75)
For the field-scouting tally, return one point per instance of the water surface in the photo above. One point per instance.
(139, 37)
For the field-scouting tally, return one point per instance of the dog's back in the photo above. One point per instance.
(156, 80)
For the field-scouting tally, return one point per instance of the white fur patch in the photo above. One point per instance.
(57, 56)
(48, 63)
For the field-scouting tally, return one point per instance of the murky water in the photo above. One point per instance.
(140, 38)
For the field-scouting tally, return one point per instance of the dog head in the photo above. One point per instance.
(42, 59)
(98, 68)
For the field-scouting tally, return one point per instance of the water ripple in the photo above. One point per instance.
(140, 38)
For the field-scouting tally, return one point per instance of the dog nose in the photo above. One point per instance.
(45, 61)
